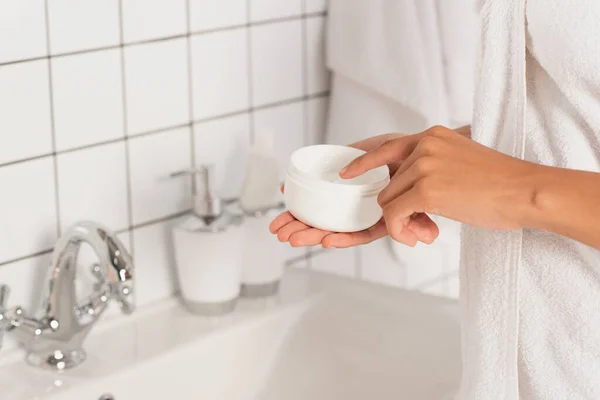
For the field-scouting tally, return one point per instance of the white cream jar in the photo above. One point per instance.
(316, 195)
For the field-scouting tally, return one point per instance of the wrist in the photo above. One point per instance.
(538, 201)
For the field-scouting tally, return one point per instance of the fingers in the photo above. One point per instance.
(397, 213)
(308, 237)
(295, 226)
(280, 221)
(343, 240)
(282, 188)
(389, 152)
(423, 227)
(404, 235)
(297, 233)
(400, 183)
(371, 143)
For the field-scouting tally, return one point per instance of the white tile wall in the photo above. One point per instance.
(29, 273)
(318, 76)
(224, 143)
(24, 92)
(314, 6)
(317, 120)
(156, 80)
(152, 19)
(87, 98)
(261, 10)
(97, 137)
(152, 158)
(283, 80)
(92, 186)
(82, 25)
(90, 129)
(220, 73)
(286, 124)
(22, 30)
(152, 250)
(27, 208)
(213, 14)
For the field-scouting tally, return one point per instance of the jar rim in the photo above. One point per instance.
(343, 154)
(320, 184)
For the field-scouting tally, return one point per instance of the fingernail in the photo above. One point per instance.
(343, 171)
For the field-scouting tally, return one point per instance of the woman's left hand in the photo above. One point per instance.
(452, 176)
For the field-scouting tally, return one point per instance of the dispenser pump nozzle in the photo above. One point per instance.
(206, 203)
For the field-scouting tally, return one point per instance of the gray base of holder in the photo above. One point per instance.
(210, 309)
(259, 290)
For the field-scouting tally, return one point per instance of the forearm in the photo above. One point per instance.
(566, 202)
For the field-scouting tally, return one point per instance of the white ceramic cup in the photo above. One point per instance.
(317, 196)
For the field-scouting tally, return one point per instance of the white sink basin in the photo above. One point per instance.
(323, 338)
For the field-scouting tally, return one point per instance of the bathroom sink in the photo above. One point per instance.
(324, 337)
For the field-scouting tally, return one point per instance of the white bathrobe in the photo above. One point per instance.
(531, 299)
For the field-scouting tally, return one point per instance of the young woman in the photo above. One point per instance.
(525, 181)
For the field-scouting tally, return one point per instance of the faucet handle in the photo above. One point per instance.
(118, 291)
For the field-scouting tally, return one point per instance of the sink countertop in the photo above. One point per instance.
(357, 311)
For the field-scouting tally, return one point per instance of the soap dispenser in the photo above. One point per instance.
(207, 245)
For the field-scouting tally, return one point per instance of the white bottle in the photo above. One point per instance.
(261, 201)
(208, 254)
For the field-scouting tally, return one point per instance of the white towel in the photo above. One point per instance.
(531, 299)
(419, 53)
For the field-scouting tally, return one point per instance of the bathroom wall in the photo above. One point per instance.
(101, 100)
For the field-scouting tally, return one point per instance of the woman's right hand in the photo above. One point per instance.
(419, 227)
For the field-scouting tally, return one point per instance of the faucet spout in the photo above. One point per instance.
(55, 335)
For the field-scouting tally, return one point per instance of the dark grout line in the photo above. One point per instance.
(222, 116)
(172, 127)
(85, 51)
(250, 72)
(159, 130)
(318, 95)
(159, 220)
(117, 232)
(27, 257)
(278, 104)
(303, 62)
(21, 61)
(276, 20)
(52, 125)
(125, 128)
(23, 160)
(217, 30)
(121, 46)
(90, 146)
(154, 40)
(317, 14)
(162, 39)
(190, 71)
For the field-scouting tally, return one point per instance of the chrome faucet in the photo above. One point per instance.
(54, 335)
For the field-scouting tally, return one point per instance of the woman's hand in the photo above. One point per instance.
(419, 227)
(449, 175)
